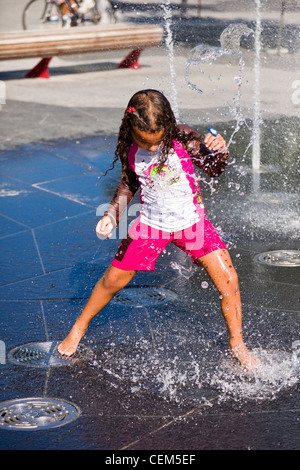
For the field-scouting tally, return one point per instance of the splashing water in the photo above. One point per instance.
(257, 121)
(212, 380)
(277, 372)
(230, 46)
(230, 42)
(183, 271)
(231, 37)
(198, 56)
(170, 47)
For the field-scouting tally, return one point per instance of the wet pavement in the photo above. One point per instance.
(155, 374)
(153, 379)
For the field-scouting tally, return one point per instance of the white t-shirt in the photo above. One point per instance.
(170, 196)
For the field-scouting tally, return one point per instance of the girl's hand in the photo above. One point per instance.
(216, 143)
(104, 227)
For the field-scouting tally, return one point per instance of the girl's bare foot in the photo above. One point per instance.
(69, 345)
(246, 359)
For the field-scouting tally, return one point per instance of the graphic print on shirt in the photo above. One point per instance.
(162, 173)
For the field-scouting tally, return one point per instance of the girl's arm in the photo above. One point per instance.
(125, 191)
(211, 155)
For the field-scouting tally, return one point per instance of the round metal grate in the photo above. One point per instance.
(288, 258)
(29, 414)
(143, 296)
(44, 354)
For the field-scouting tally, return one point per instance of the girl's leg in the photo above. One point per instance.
(113, 280)
(221, 271)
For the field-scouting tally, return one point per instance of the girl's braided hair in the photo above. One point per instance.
(149, 111)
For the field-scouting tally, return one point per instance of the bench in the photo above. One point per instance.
(77, 40)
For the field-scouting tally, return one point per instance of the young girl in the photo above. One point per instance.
(157, 157)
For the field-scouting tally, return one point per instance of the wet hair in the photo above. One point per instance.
(149, 111)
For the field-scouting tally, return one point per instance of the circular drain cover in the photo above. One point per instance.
(44, 355)
(288, 258)
(29, 414)
(143, 296)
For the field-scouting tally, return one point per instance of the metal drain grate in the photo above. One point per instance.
(288, 258)
(143, 296)
(44, 354)
(29, 414)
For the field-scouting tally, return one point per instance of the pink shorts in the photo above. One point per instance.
(143, 245)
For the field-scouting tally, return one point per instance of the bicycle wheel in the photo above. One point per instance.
(42, 15)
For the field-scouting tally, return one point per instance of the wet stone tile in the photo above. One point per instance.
(74, 282)
(32, 207)
(37, 165)
(96, 152)
(9, 227)
(19, 258)
(68, 242)
(84, 188)
(21, 323)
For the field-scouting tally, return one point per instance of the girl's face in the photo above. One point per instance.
(147, 141)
